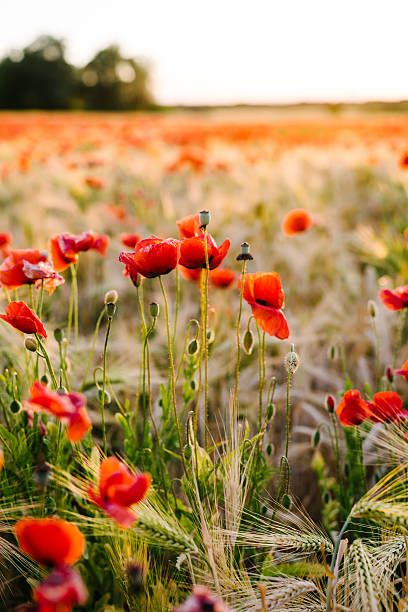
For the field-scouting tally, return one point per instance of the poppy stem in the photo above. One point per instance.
(76, 313)
(261, 375)
(234, 404)
(333, 563)
(287, 414)
(30, 292)
(377, 354)
(172, 374)
(177, 307)
(139, 293)
(7, 295)
(70, 312)
(105, 351)
(97, 326)
(47, 361)
(41, 299)
(205, 325)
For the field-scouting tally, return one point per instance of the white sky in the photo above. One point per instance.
(230, 51)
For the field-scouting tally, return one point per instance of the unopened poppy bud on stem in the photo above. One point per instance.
(154, 310)
(291, 361)
(58, 335)
(111, 296)
(389, 374)
(372, 309)
(245, 255)
(31, 344)
(110, 308)
(330, 403)
(204, 218)
(248, 342)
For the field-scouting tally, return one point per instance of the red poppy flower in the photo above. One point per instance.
(192, 252)
(5, 239)
(94, 181)
(200, 600)
(153, 256)
(189, 226)
(404, 160)
(44, 273)
(129, 240)
(50, 541)
(396, 299)
(222, 277)
(118, 489)
(65, 248)
(385, 407)
(69, 408)
(194, 274)
(1, 459)
(296, 221)
(22, 318)
(12, 274)
(130, 267)
(61, 590)
(352, 410)
(263, 292)
(403, 371)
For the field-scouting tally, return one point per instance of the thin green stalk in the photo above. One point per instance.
(70, 312)
(261, 374)
(336, 450)
(200, 356)
(234, 403)
(48, 362)
(333, 563)
(207, 269)
(177, 308)
(377, 354)
(76, 306)
(7, 295)
(31, 295)
(139, 293)
(63, 365)
(97, 326)
(287, 414)
(172, 374)
(41, 299)
(105, 350)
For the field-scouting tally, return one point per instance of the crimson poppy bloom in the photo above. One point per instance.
(22, 318)
(403, 162)
(152, 257)
(189, 226)
(69, 408)
(200, 600)
(12, 274)
(61, 590)
(192, 252)
(118, 489)
(50, 541)
(222, 277)
(385, 407)
(193, 274)
(94, 181)
(403, 371)
(5, 239)
(296, 221)
(352, 410)
(129, 240)
(43, 273)
(263, 292)
(130, 267)
(65, 248)
(395, 299)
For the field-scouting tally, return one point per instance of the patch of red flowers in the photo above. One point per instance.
(386, 406)
(65, 248)
(118, 490)
(152, 257)
(22, 318)
(69, 408)
(28, 266)
(192, 252)
(403, 162)
(296, 221)
(263, 292)
(395, 299)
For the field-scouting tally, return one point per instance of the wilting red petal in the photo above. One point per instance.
(271, 320)
(296, 221)
(22, 318)
(403, 371)
(12, 274)
(127, 495)
(386, 406)
(60, 260)
(352, 410)
(396, 299)
(124, 516)
(61, 590)
(50, 541)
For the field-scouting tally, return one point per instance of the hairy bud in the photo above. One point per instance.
(111, 296)
(291, 361)
(154, 310)
(31, 344)
(248, 342)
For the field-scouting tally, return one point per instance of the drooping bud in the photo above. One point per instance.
(269, 450)
(193, 347)
(316, 438)
(108, 398)
(110, 308)
(154, 310)
(58, 335)
(286, 501)
(136, 575)
(270, 411)
(372, 309)
(204, 217)
(111, 296)
(244, 255)
(248, 342)
(330, 403)
(389, 374)
(291, 361)
(44, 379)
(332, 352)
(15, 406)
(31, 344)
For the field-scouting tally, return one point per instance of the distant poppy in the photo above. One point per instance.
(118, 490)
(1, 459)
(65, 248)
(222, 277)
(385, 407)
(352, 410)
(153, 256)
(50, 541)
(202, 600)
(129, 240)
(61, 590)
(403, 162)
(395, 299)
(263, 292)
(69, 408)
(193, 274)
(94, 181)
(296, 221)
(403, 371)
(192, 252)
(5, 239)
(189, 226)
(12, 273)
(22, 318)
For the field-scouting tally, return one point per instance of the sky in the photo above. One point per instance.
(232, 51)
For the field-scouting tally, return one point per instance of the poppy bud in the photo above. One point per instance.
(108, 398)
(41, 476)
(270, 411)
(330, 403)
(154, 310)
(50, 504)
(204, 217)
(372, 309)
(188, 452)
(291, 361)
(286, 501)
(245, 255)
(210, 336)
(248, 342)
(346, 470)
(31, 344)
(332, 352)
(316, 438)
(58, 335)
(15, 406)
(136, 574)
(193, 347)
(389, 374)
(111, 296)
(326, 497)
(110, 308)
(44, 379)
(269, 450)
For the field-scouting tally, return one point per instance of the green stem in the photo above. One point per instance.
(97, 326)
(287, 414)
(207, 269)
(76, 307)
(48, 362)
(234, 404)
(31, 295)
(70, 312)
(41, 299)
(333, 563)
(177, 308)
(105, 350)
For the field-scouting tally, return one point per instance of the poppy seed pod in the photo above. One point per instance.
(291, 361)
(204, 218)
(31, 344)
(245, 255)
(110, 308)
(372, 309)
(248, 342)
(154, 310)
(111, 296)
